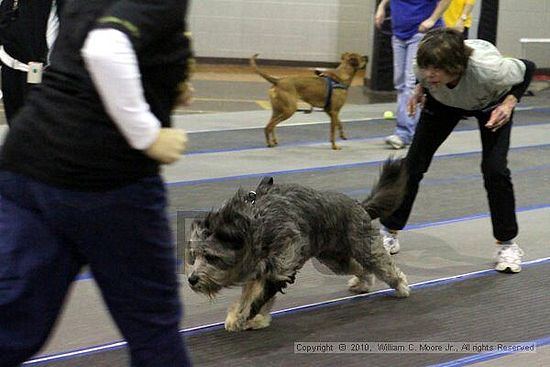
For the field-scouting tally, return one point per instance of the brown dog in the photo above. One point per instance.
(327, 90)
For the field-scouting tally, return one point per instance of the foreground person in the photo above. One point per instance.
(80, 183)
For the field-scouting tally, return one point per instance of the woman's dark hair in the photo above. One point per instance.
(443, 48)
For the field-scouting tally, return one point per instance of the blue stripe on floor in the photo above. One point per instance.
(491, 355)
(328, 168)
(315, 142)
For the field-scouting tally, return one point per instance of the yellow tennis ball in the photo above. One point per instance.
(388, 115)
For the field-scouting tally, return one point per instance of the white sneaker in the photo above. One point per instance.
(508, 258)
(395, 142)
(390, 241)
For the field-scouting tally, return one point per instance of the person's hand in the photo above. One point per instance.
(168, 146)
(501, 114)
(185, 96)
(418, 98)
(459, 25)
(426, 25)
(379, 17)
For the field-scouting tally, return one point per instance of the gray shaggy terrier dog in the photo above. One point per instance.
(259, 240)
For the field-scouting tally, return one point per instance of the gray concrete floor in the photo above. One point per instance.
(449, 232)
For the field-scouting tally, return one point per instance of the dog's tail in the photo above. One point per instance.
(387, 194)
(269, 78)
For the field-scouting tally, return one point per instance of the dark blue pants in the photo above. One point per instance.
(436, 122)
(47, 234)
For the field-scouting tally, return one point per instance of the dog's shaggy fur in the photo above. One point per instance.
(260, 240)
(286, 91)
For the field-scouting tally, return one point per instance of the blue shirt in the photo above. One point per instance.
(406, 16)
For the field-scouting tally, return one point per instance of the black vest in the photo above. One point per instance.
(63, 135)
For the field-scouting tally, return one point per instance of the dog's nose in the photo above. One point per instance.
(193, 279)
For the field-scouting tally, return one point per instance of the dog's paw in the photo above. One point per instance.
(234, 320)
(358, 285)
(402, 289)
(259, 322)
(234, 323)
(336, 147)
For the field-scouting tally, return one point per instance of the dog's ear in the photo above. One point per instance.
(263, 187)
(234, 221)
(266, 181)
(233, 230)
(206, 221)
(364, 60)
(355, 60)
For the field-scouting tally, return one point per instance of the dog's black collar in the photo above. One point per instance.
(251, 197)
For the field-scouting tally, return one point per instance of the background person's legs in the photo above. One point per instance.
(500, 193)
(497, 179)
(436, 123)
(405, 81)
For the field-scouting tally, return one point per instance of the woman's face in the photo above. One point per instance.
(436, 77)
